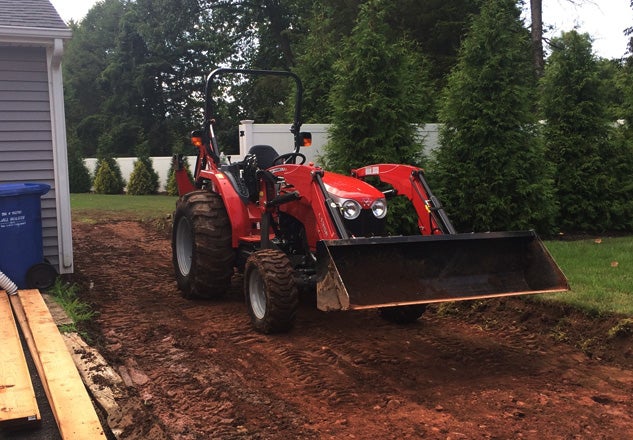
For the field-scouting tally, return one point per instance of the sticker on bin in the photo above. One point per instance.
(12, 219)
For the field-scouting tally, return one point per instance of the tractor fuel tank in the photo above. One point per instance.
(363, 273)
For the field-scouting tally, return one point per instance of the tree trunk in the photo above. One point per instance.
(536, 9)
(273, 11)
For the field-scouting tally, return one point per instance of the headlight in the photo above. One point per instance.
(350, 209)
(379, 208)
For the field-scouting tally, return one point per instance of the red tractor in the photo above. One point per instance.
(283, 223)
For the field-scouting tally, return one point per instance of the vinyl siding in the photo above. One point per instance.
(26, 147)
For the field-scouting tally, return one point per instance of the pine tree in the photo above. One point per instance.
(579, 139)
(79, 178)
(490, 171)
(379, 92)
(622, 168)
(108, 178)
(144, 179)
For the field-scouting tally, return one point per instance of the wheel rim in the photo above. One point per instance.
(257, 294)
(184, 246)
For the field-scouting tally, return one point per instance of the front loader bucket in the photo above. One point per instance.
(362, 273)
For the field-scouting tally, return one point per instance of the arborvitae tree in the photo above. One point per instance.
(78, 174)
(320, 50)
(436, 27)
(171, 187)
(108, 178)
(578, 137)
(378, 94)
(616, 77)
(490, 171)
(144, 179)
(619, 168)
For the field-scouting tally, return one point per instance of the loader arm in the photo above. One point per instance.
(409, 181)
(321, 219)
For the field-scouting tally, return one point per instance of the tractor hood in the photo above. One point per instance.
(343, 187)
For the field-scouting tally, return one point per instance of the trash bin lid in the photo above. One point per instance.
(18, 189)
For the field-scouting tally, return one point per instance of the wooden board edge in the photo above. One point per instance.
(74, 412)
(28, 413)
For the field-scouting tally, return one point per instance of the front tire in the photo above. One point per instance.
(202, 253)
(271, 294)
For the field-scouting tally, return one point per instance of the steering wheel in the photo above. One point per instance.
(289, 158)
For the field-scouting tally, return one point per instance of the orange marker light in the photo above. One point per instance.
(196, 141)
(306, 139)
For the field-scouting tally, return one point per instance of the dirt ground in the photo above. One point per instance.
(502, 369)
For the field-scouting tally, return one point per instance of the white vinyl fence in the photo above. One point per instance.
(276, 135)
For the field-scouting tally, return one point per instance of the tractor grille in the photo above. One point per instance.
(366, 225)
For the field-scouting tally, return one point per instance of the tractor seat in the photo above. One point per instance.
(265, 155)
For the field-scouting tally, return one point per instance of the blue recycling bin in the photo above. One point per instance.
(21, 246)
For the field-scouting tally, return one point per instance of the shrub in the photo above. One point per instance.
(108, 178)
(592, 174)
(491, 172)
(79, 178)
(374, 104)
(143, 180)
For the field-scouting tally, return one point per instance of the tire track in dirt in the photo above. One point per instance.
(197, 370)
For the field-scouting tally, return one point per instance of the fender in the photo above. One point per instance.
(235, 208)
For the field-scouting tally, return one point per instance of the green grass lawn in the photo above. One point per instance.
(600, 271)
(95, 207)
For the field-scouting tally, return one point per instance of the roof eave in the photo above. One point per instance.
(21, 34)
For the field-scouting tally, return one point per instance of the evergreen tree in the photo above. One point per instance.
(144, 179)
(378, 94)
(619, 166)
(134, 70)
(579, 139)
(108, 178)
(436, 27)
(79, 178)
(490, 171)
(86, 56)
(332, 22)
(612, 74)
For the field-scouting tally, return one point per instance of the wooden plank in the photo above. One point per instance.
(18, 405)
(75, 415)
(28, 337)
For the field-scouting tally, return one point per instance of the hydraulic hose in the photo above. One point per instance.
(7, 284)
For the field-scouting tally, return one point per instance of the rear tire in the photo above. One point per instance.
(402, 314)
(271, 294)
(202, 252)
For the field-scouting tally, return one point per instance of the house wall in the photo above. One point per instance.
(26, 145)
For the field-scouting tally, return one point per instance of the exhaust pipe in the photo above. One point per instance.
(363, 273)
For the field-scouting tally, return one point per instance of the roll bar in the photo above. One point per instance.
(208, 108)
